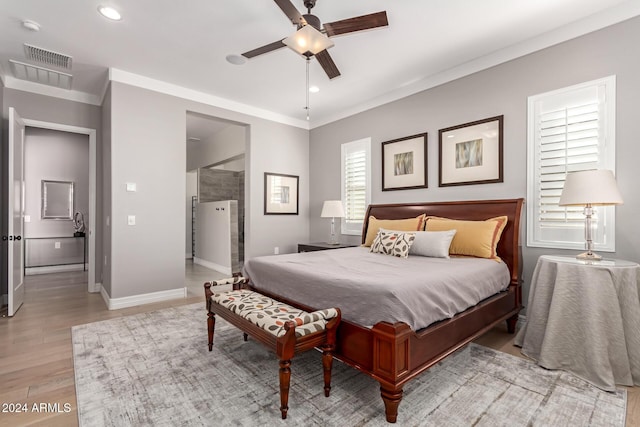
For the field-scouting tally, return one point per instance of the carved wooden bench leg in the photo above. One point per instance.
(327, 362)
(211, 324)
(285, 379)
(391, 398)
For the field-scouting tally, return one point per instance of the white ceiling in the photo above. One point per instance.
(185, 43)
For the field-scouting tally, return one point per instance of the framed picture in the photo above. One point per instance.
(404, 163)
(471, 153)
(280, 194)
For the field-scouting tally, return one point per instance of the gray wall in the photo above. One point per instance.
(224, 145)
(54, 156)
(54, 110)
(148, 147)
(499, 90)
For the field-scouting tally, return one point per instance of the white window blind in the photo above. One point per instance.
(356, 171)
(570, 130)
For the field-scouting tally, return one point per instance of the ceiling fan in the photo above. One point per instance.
(312, 39)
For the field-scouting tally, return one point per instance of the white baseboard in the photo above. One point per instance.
(131, 301)
(212, 265)
(32, 271)
(97, 288)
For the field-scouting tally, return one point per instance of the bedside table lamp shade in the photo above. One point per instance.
(590, 188)
(332, 209)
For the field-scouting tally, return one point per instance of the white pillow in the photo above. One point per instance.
(433, 244)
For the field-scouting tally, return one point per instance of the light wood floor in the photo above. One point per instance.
(36, 361)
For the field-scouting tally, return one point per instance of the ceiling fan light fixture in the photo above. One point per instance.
(308, 41)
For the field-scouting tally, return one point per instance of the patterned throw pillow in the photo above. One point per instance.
(394, 243)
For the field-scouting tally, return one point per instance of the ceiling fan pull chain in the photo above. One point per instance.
(307, 107)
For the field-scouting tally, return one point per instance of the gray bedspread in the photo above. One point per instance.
(370, 287)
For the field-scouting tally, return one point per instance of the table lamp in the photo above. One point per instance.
(590, 188)
(332, 209)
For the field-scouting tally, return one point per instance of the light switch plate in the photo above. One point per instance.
(27, 218)
(131, 186)
(131, 220)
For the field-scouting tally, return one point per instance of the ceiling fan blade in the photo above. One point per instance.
(358, 23)
(327, 64)
(264, 49)
(290, 10)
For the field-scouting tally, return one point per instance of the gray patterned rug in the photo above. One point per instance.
(154, 369)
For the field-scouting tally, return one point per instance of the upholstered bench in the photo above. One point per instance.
(281, 327)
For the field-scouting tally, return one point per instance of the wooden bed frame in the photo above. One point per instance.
(393, 354)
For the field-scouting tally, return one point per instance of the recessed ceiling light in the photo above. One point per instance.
(314, 89)
(236, 59)
(110, 13)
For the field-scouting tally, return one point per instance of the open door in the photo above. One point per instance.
(16, 211)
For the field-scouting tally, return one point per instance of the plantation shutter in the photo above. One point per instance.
(569, 142)
(570, 130)
(355, 184)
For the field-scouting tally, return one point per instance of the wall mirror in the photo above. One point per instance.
(57, 200)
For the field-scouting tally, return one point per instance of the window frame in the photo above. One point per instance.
(567, 236)
(354, 228)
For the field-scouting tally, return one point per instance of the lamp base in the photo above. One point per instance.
(589, 256)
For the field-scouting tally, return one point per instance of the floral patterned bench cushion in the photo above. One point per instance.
(230, 281)
(270, 314)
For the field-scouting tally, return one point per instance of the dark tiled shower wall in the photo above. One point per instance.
(217, 185)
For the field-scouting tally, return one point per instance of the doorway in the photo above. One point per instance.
(90, 216)
(215, 173)
(56, 202)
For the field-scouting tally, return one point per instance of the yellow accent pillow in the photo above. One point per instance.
(408, 224)
(473, 238)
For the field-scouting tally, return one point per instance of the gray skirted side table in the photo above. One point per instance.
(584, 317)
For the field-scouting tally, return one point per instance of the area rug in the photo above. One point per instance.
(154, 369)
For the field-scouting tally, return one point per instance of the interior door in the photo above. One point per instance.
(16, 211)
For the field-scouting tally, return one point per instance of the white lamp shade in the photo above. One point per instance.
(332, 209)
(594, 187)
(308, 39)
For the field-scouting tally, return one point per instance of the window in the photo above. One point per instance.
(570, 129)
(356, 184)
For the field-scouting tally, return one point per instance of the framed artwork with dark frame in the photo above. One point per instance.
(471, 153)
(404, 163)
(281, 194)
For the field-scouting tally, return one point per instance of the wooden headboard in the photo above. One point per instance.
(509, 246)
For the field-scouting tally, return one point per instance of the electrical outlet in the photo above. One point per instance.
(56, 245)
(276, 250)
(131, 220)
(27, 218)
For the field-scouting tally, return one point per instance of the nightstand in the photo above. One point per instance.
(321, 246)
(584, 317)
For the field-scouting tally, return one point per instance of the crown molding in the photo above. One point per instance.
(137, 80)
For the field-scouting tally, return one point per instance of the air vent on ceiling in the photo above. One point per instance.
(47, 57)
(33, 73)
